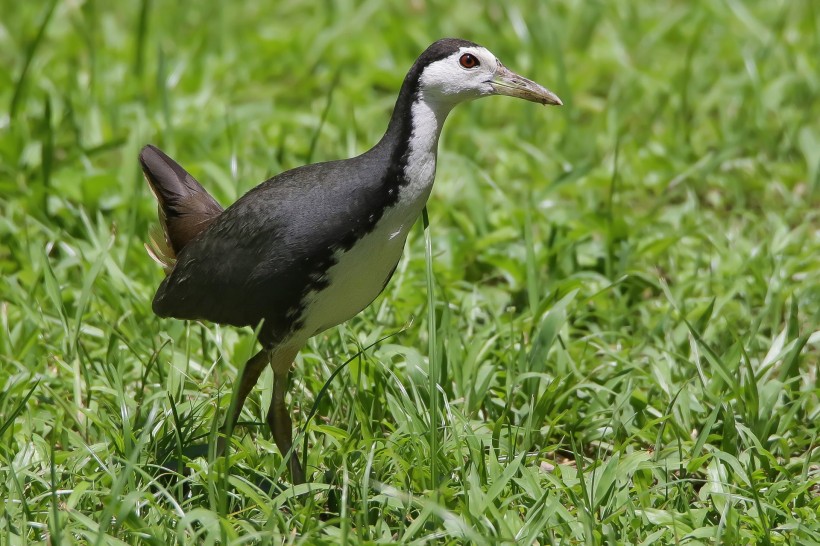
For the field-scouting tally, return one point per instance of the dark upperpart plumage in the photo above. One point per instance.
(259, 258)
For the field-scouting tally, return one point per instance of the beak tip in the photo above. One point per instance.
(552, 100)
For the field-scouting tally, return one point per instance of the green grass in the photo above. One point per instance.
(625, 316)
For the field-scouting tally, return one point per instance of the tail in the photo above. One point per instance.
(185, 208)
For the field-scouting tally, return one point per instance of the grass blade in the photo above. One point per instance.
(31, 51)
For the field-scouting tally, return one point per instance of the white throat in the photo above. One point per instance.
(428, 119)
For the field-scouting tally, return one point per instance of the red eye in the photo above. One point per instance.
(468, 61)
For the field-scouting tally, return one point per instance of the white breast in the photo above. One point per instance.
(358, 276)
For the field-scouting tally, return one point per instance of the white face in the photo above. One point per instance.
(464, 75)
(474, 72)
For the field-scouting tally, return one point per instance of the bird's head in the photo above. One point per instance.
(453, 71)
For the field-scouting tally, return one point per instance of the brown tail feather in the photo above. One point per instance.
(185, 209)
(157, 247)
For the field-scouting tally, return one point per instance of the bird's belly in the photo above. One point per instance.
(356, 279)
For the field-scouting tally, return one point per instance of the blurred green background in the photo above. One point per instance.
(626, 289)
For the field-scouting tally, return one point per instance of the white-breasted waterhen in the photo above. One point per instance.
(312, 247)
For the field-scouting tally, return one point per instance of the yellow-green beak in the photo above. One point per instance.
(507, 82)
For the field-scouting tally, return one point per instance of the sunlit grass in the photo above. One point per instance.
(626, 291)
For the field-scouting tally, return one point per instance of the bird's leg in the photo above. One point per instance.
(281, 426)
(250, 375)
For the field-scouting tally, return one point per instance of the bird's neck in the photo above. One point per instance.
(427, 120)
(411, 140)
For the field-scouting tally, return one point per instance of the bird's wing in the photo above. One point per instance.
(264, 253)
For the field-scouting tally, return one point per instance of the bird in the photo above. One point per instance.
(311, 247)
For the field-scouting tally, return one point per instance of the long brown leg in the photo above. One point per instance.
(281, 425)
(250, 375)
